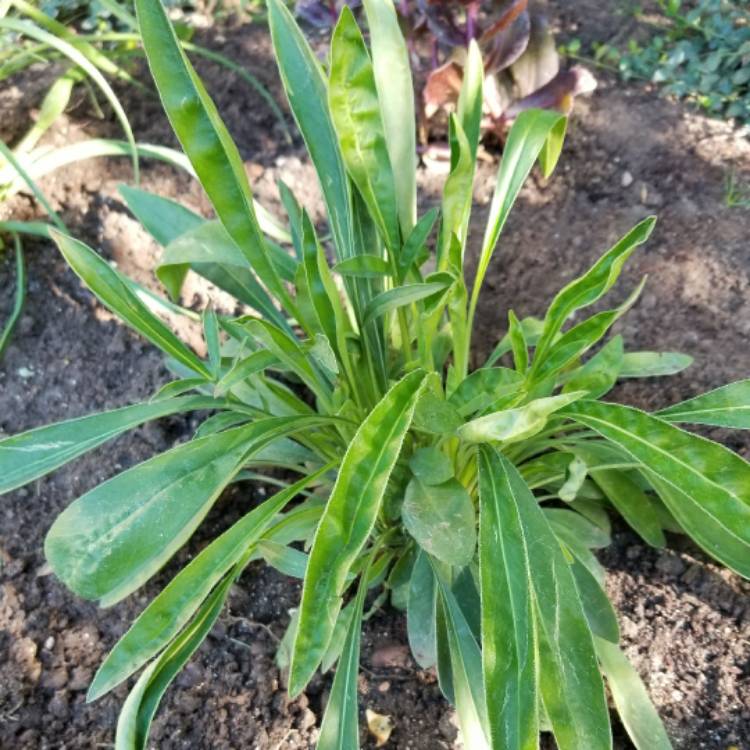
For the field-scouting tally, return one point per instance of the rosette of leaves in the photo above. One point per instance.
(471, 498)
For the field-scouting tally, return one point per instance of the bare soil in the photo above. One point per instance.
(685, 621)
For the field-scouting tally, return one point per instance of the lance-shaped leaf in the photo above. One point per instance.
(508, 631)
(442, 520)
(164, 219)
(705, 485)
(632, 503)
(307, 93)
(526, 140)
(483, 388)
(399, 296)
(355, 109)
(569, 680)
(210, 251)
(470, 100)
(728, 406)
(288, 351)
(170, 611)
(587, 289)
(457, 194)
(206, 141)
(116, 536)
(348, 521)
(512, 425)
(420, 612)
(415, 241)
(339, 729)
(580, 338)
(631, 699)
(390, 61)
(465, 670)
(139, 708)
(654, 364)
(115, 293)
(33, 454)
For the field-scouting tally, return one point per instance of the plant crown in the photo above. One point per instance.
(469, 498)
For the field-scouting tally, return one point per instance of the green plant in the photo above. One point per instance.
(470, 498)
(736, 192)
(700, 51)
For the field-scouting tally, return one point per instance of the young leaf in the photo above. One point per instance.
(508, 631)
(470, 98)
(569, 681)
(442, 520)
(168, 613)
(116, 536)
(705, 485)
(635, 708)
(431, 466)
(518, 343)
(512, 425)
(580, 338)
(587, 289)
(33, 454)
(115, 293)
(206, 140)
(399, 296)
(457, 194)
(347, 522)
(355, 110)
(390, 61)
(728, 406)
(416, 240)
